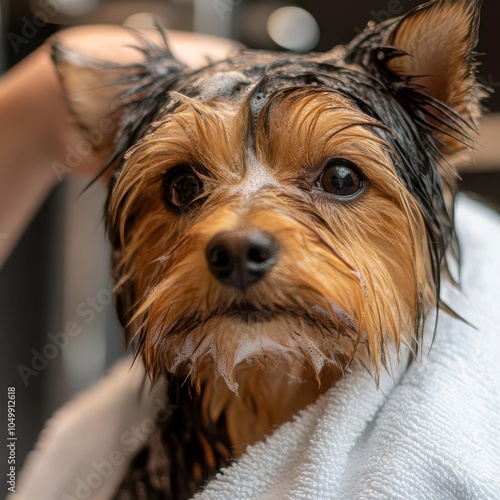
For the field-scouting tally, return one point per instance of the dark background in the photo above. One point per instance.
(32, 281)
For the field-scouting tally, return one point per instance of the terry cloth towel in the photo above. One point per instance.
(430, 432)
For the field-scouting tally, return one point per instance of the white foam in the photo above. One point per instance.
(257, 102)
(256, 176)
(344, 317)
(229, 85)
(223, 371)
(257, 345)
(362, 282)
(316, 356)
(183, 354)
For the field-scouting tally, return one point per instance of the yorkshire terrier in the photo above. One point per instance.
(276, 216)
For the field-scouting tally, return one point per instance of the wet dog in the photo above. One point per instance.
(275, 217)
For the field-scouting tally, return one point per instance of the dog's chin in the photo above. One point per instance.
(246, 334)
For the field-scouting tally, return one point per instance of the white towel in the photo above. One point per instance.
(430, 433)
(84, 450)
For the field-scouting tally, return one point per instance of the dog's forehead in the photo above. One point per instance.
(261, 72)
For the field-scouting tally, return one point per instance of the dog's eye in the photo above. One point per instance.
(341, 178)
(181, 187)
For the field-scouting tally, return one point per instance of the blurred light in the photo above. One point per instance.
(76, 7)
(293, 28)
(144, 20)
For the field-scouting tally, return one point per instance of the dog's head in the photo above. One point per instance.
(287, 206)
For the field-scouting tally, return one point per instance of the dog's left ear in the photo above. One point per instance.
(437, 41)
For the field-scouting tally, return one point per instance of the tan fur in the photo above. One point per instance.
(439, 40)
(267, 399)
(355, 281)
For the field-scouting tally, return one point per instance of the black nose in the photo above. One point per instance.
(240, 258)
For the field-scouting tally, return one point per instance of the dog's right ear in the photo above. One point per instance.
(115, 103)
(91, 91)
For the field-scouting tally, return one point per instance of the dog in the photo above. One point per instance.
(276, 217)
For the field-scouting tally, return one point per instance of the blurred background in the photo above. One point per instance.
(59, 271)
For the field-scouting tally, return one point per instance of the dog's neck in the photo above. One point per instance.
(265, 400)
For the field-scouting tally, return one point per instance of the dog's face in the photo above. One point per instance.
(283, 231)
(292, 207)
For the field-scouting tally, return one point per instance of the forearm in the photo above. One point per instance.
(32, 111)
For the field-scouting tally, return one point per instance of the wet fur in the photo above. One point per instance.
(354, 278)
